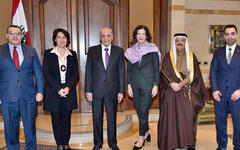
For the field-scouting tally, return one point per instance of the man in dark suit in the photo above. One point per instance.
(104, 85)
(18, 95)
(225, 84)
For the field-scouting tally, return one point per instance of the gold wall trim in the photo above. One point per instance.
(205, 11)
(217, 12)
(178, 7)
(227, 0)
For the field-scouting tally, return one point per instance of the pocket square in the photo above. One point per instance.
(30, 56)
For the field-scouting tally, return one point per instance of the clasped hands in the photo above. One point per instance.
(63, 92)
(175, 86)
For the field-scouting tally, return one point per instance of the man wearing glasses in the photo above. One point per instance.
(18, 93)
(225, 84)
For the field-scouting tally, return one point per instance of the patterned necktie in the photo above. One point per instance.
(106, 57)
(229, 56)
(15, 57)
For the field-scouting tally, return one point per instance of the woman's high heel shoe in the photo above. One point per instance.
(67, 147)
(137, 148)
(60, 147)
(148, 138)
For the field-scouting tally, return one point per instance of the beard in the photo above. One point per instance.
(230, 41)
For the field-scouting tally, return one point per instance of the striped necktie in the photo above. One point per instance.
(229, 56)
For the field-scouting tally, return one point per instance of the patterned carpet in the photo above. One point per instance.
(39, 147)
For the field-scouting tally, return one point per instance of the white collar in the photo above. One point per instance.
(103, 47)
(54, 50)
(232, 47)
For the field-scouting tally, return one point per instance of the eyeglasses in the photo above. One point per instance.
(106, 35)
(228, 34)
(15, 33)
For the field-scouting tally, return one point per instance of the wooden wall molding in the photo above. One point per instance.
(161, 24)
(42, 26)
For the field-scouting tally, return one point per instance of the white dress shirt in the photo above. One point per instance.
(62, 60)
(104, 52)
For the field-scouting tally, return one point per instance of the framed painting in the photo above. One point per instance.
(216, 39)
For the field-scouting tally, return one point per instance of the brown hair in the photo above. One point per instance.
(65, 32)
(230, 26)
(148, 34)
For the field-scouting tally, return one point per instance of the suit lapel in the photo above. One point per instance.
(56, 65)
(7, 50)
(69, 64)
(223, 55)
(99, 56)
(235, 54)
(143, 61)
(24, 50)
(111, 58)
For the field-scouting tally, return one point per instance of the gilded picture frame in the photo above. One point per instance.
(216, 38)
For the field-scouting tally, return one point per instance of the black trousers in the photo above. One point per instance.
(61, 123)
(142, 101)
(97, 111)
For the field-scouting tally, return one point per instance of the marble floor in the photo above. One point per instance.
(82, 122)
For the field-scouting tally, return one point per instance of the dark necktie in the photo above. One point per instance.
(15, 57)
(229, 56)
(106, 57)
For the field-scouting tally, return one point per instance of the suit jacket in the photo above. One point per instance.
(53, 80)
(223, 75)
(98, 79)
(145, 75)
(19, 84)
